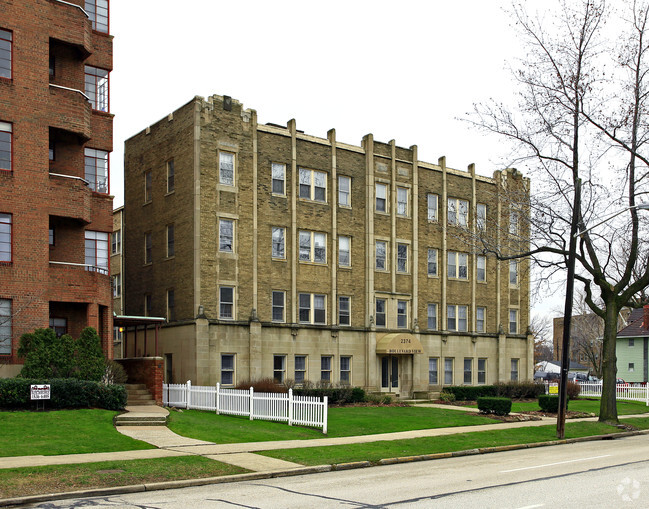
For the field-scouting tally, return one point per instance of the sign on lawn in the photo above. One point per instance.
(553, 389)
(40, 391)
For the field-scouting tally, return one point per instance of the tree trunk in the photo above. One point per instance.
(608, 404)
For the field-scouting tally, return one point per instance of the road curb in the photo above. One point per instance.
(186, 483)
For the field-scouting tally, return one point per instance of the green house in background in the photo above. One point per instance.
(632, 347)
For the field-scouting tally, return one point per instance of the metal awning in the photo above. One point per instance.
(398, 343)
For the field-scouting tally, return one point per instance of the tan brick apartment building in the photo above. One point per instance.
(55, 137)
(274, 253)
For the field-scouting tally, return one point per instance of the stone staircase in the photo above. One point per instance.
(143, 410)
(138, 395)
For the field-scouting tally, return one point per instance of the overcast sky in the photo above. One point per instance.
(401, 70)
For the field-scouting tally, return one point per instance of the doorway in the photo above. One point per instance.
(390, 373)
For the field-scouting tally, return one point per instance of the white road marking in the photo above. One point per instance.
(553, 464)
(532, 506)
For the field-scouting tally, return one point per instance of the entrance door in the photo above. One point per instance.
(390, 373)
(168, 368)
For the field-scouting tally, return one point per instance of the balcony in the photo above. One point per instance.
(70, 197)
(77, 282)
(69, 23)
(70, 110)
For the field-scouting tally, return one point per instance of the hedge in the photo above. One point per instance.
(64, 393)
(335, 395)
(498, 406)
(550, 403)
(470, 392)
(519, 390)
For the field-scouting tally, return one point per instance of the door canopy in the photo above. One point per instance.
(398, 343)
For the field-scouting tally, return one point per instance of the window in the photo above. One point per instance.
(226, 302)
(458, 212)
(456, 318)
(52, 236)
(513, 321)
(514, 371)
(468, 370)
(481, 216)
(402, 201)
(59, 326)
(448, 371)
(513, 273)
(458, 265)
(52, 150)
(631, 367)
(226, 235)
(325, 368)
(227, 369)
(345, 369)
(171, 305)
(96, 169)
(148, 303)
(402, 257)
(381, 255)
(313, 247)
(278, 306)
(97, 251)
(482, 371)
(278, 250)
(171, 176)
(5, 327)
(381, 197)
(97, 11)
(117, 285)
(226, 168)
(513, 222)
(344, 191)
(278, 175)
(432, 262)
(148, 186)
(380, 312)
(312, 308)
(97, 87)
(52, 66)
(432, 316)
(279, 368)
(343, 310)
(344, 251)
(6, 43)
(115, 241)
(433, 370)
(402, 314)
(481, 266)
(171, 249)
(6, 130)
(480, 316)
(313, 185)
(432, 206)
(300, 369)
(148, 250)
(5, 237)
(631, 341)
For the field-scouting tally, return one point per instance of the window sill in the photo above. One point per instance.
(279, 260)
(341, 206)
(277, 195)
(315, 264)
(345, 267)
(309, 200)
(432, 276)
(169, 193)
(382, 212)
(461, 280)
(170, 258)
(147, 264)
(147, 203)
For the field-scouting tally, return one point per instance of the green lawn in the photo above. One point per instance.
(62, 432)
(342, 422)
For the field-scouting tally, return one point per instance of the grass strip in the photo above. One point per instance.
(583, 405)
(63, 432)
(17, 482)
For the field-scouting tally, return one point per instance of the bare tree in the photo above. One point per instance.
(541, 331)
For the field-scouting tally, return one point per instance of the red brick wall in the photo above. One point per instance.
(145, 370)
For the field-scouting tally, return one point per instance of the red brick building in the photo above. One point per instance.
(56, 134)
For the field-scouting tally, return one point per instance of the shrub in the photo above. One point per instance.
(336, 394)
(46, 356)
(89, 360)
(492, 405)
(262, 385)
(470, 392)
(447, 397)
(550, 403)
(114, 373)
(358, 395)
(573, 389)
(519, 390)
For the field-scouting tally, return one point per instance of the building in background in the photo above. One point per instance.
(632, 348)
(55, 138)
(116, 271)
(273, 253)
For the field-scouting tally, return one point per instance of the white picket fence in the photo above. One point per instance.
(622, 391)
(283, 407)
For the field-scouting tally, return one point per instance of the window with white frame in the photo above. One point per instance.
(278, 172)
(96, 251)
(381, 248)
(480, 318)
(313, 185)
(345, 369)
(513, 273)
(448, 371)
(278, 304)
(312, 308)
(513, 321)
(96, 87)
(6, 50)
(344, 191)
(226, 168)
(402, 201)
(325, 368)
(278, 241)
(313, 247)
(402, 258)
(481, 216)
(456, 318)
(171, 305)
(117, 285)
(433, 370)
(6, 139)
(5, 327)
(481, 268)
(97, 11)
(432, 262)
(344, 251)
(226, 302)
(59, 325)
(171, 241)
(631, 342)
(279, 368)
(458, 212)
(171, 176)
(514, 370)
(380, 312)
(148, 248)
(458, 265)
(115, 242)
(468, 370)
(482, 371)
(344, 310)
(148, 186)
(381, 197)
(226, 235)
(631, 367)
(432, 317)
(402, 314)
(432, 200)
(5, 237)
(96, 169)
(300, 369)
(227, 369)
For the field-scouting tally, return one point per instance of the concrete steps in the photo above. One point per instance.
(138, 395)
(140, 419)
